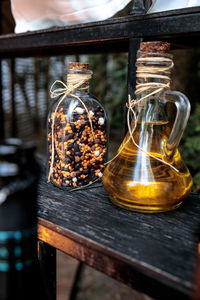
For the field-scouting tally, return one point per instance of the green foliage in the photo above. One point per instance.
(110, 84)
(190, 146)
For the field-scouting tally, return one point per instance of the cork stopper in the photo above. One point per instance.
(155, 47)
(78, 66)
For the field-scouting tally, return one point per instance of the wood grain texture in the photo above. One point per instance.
(154, 253)
(177, 26)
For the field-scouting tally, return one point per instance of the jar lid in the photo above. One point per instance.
(155, 47)
(78, 66)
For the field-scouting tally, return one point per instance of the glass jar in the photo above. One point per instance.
(148, 173)
(77, 122)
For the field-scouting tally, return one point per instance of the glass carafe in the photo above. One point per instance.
(148, 173)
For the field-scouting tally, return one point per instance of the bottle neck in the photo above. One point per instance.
(152, 110)
(153, 73)
(82, 89)
(151, 105)
(79, 80)
(153, 80)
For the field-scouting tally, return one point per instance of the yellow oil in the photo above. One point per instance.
(138, 182)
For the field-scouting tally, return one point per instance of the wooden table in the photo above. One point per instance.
(154, 253)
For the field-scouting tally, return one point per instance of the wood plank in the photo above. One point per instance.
(155, 254)
(106, 36)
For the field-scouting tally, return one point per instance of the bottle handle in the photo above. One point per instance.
(183, 111)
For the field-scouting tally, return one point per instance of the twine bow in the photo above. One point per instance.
(74, 81)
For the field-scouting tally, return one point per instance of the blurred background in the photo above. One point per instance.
(26, 102)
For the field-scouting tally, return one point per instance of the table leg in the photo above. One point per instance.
(77, 277)
(134, 45)
(47, 257)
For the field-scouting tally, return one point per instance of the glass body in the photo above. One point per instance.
(137, 181)
(78, 156)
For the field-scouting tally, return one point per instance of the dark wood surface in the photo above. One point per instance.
(178, 26)
(154, 253)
